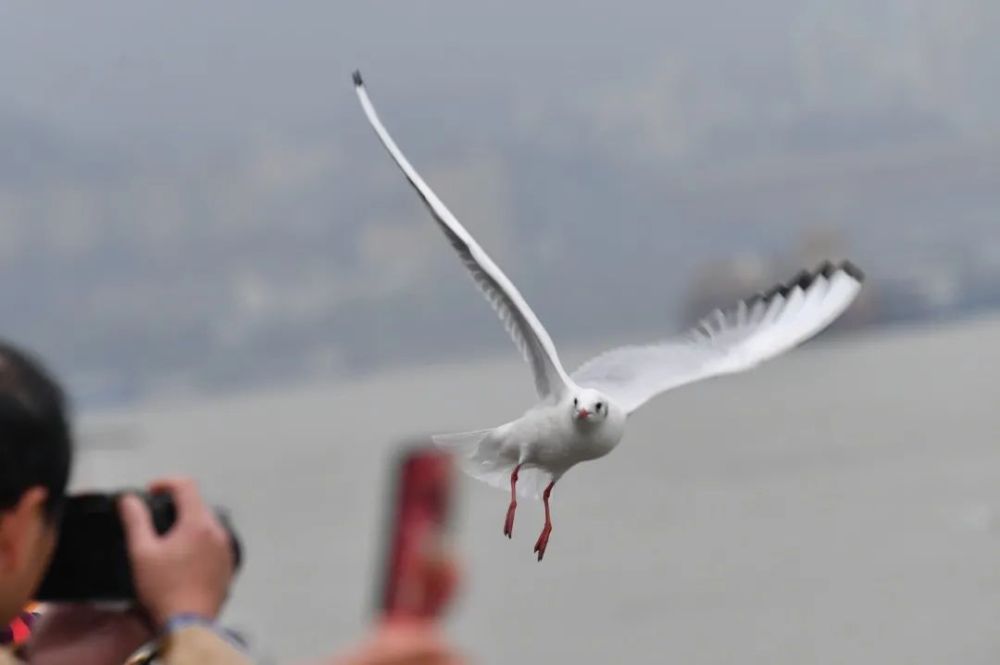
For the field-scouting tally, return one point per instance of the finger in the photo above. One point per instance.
(137, 522)
(440, 580)
(184, 492)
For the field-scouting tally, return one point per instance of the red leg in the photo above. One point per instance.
(543, 539)
(508, 525)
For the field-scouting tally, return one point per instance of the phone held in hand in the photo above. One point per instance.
(91, 562)
(419, 517)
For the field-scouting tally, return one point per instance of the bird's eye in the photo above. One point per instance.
(576, 402)
(599, 405)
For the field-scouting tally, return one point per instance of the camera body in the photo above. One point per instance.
(91, 562)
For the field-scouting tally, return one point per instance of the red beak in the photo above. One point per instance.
(583, 414)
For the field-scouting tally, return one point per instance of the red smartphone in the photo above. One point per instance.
(420, 504)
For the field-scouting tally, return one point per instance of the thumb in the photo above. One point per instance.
(137, 521)
(440, 580)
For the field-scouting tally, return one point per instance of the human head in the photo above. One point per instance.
(35, 457)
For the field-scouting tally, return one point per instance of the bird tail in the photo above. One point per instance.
(484, 457)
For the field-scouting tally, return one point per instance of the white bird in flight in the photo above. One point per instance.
(582, 416)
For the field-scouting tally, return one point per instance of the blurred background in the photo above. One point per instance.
(197, 203)
(203, 237)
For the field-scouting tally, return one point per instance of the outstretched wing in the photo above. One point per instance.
(523, 326)
(726, 342)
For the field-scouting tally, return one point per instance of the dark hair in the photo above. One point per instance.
(35, 446)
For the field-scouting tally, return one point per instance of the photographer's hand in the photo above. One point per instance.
(404, 643)
(414, 639)
(185, 571)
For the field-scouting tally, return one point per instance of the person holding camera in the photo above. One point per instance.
(181, 577)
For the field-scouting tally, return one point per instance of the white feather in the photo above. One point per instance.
(521, 323)
(724, 343)
(484, 456)
(546, 441)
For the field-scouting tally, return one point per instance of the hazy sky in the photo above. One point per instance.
(119, 70)
(189, 195)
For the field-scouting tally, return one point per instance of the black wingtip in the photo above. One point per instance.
(853, 271)
(357, 78)
(776, 290)
(826, 269)
(803, 280)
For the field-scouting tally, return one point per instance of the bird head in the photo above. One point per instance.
(589, 406)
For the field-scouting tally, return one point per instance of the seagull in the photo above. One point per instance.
(582, 416)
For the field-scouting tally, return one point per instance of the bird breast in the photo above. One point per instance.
(554, 440)
(599, 439)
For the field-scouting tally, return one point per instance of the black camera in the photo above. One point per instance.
(91, 562)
